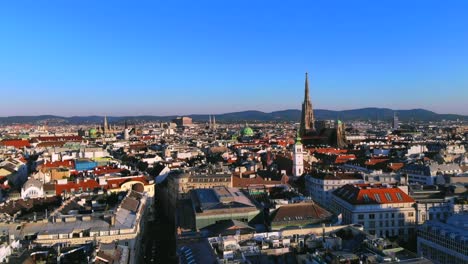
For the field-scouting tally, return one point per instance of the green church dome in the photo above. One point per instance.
(92, 132)
(247, 132)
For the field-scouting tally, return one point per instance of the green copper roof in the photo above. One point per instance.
(298, 139)
(247, 131)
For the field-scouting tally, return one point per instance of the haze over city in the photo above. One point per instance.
(183, 57)
(234, 132)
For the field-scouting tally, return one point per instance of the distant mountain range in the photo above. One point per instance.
(285, 115)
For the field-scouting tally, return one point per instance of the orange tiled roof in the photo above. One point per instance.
(396, 166)
(16, 143)
(375, 161)
(344, 158)
(84, 185)
(368, 194)
(114, 183)
(59, 138)
(329, 151)
(101, 170)
(66, 163)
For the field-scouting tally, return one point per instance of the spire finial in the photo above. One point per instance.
(298, 137)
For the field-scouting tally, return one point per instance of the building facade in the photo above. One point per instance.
(384, 211)
(444, 242)
(320, 186)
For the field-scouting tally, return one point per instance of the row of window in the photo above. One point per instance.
(387, 196)
(386, 215)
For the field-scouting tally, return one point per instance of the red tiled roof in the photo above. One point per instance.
(102, 170)
(114, 183)
(51, 144)
(368, 194)
(374, 161)
(59, 138)
(396, 166)
(66, 163)
(329, 151)
(16, 143)
(84, 184)
(344, 158)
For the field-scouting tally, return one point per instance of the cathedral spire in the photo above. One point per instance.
(306, 94)
(106, 126)
(307, 117)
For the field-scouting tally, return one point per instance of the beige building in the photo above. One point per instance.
(176, 185)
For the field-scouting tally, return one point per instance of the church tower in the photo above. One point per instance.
(106, 126)
(298, 159)
(126, 131)
(307, 117)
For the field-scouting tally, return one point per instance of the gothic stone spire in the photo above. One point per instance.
(307, 117)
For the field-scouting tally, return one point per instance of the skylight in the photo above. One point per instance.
(387, 195)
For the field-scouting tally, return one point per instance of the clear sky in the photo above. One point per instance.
(78, 57)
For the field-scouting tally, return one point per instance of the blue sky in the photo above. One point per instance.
(179, 57)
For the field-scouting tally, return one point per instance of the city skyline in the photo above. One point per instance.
(212, 57)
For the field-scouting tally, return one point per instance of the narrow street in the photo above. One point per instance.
(159, 240)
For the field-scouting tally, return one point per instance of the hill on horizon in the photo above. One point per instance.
(370, 113)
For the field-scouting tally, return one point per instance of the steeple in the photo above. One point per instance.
(307, 117)
(298, 138)
(306, 93)
(298, 157)
(106, 126)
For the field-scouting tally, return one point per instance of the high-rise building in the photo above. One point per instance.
(307, 118)
(396, 122)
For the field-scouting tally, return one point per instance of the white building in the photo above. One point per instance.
(383, 210)
(416, 150)
(455, 149)
(32, 189)
(430, 174)
(321, 185)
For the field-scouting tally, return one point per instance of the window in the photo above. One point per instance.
(410, 214)
(371, 216)
(377, 197)
(389, 198)
(398, 195)
(360, 216)
(366, 198)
